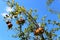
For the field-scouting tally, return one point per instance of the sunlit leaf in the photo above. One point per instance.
(58, 16)
(44, 17)
(35, 17)
(54, 22)
(30, 11)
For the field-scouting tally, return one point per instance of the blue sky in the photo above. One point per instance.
(40, 5)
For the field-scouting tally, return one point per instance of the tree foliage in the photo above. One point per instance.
(40, 31)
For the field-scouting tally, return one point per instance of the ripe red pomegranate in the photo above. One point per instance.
(10, 25)
(39, 31)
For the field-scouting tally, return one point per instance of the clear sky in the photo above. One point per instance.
(40, 5)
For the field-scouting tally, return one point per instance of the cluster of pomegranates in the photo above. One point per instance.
(21, 21)
(9, 24)
(38, 31)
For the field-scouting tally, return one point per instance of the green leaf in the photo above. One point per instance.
(58, 16)
(49, 2)
(8, 3)
(43, 24)
(35, 10)
(35, 17)
(43, 18)
(26, 30)
(55, 29)
(49, 9)
(49, 21)
(58, 24)
(54, 23)
(54, 35)
(30, 11)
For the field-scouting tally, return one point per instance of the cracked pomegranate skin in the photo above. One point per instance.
(22, 21)
(9, 25)
(39, 31)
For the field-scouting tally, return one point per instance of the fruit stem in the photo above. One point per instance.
(32, 19)
(20, 28)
